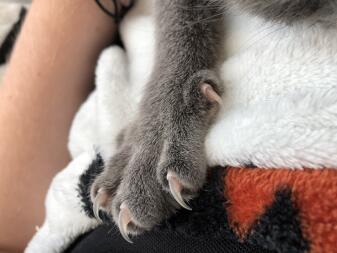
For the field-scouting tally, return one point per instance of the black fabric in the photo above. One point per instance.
(209, 215)
(205, 229)
(279, 228)
(107, 239)
(95, 168)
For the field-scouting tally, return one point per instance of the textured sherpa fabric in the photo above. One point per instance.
(279, 211)
(280, 83)
(279, 115)
(157, 242)
(204, 230)
(10, 13)
(284, 209)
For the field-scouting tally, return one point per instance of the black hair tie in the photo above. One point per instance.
(118, 14)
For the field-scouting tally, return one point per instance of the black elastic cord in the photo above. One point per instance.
(118, 14)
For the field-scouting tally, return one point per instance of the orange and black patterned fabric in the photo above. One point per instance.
(280, 209)
(285, 211)
(242, 210)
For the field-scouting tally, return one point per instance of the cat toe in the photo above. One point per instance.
(176, 187)
(124, 219)
(211, 95)
(130, 218)
(100, 202)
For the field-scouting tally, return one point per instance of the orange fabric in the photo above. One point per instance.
(251, 191)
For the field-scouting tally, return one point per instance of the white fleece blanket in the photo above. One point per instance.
(280, 85)
(280, 108)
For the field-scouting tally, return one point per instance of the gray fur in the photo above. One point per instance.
(174, 116)
(289, 11)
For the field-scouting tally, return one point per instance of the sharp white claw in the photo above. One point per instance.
(210, 93)
(97, 205)
(124, 220)
(175, 189)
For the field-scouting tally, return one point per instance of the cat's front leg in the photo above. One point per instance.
(182, 166)
(162, 160)
(166, 164)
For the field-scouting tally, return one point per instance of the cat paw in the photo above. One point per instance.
(182, 167)
(105, 185)
(164, 168)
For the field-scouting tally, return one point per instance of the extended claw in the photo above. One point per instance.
(210, 93)
(97, 207)
(124, 220)
(176, 188)
(99, 200)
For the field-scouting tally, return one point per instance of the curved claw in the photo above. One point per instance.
(97, 205)
(210, 93)
(176, 188)
(124, 220)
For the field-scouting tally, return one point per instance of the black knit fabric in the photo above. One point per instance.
(107, 239)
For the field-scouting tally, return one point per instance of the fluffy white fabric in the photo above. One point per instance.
(279, 108)
(279, 86)
(280, 103)
(65, 218)
(95, 128)
(108, 109)
(9, 15)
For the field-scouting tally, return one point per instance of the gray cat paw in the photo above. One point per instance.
(105, 186)
(161, 166)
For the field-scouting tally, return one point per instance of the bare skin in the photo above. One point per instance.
(50, 74)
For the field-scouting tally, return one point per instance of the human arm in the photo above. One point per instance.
(49, 76)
